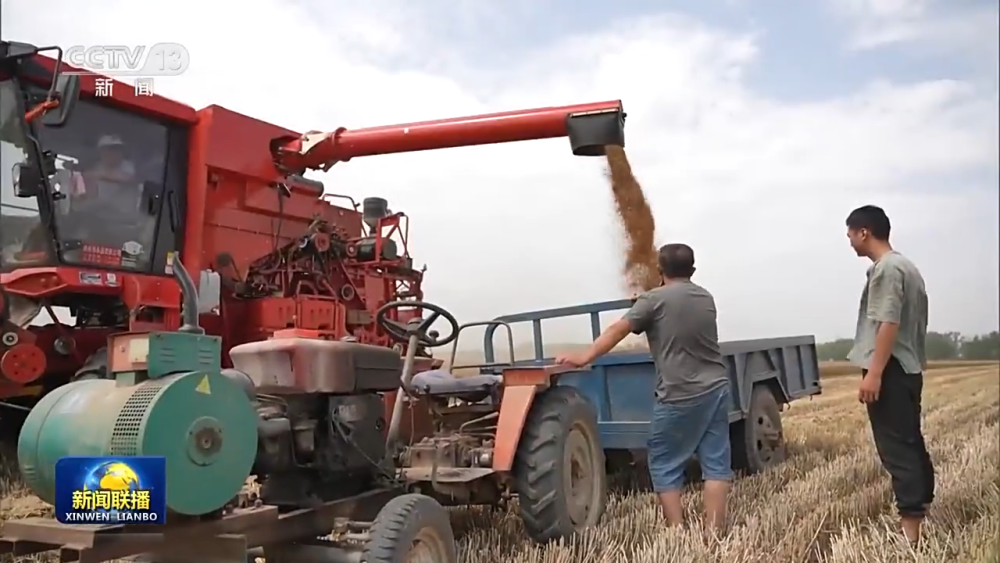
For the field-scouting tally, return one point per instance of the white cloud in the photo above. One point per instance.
(759, 187)
(970, 28)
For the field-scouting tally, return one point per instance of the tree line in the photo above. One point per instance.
(940, 346)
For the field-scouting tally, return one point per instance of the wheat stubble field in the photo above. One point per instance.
(829, 502)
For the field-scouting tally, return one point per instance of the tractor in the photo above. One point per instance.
(476, 440)
(307, 316)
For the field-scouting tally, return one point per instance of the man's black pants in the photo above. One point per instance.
(895, 420)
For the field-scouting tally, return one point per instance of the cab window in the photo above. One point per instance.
(111, 166)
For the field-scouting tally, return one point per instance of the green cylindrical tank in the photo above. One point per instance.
(201, 422)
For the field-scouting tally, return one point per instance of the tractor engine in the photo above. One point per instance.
(309, 445)
(322, 420)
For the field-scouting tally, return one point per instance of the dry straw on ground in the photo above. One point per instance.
(829, 502)
(637, 221)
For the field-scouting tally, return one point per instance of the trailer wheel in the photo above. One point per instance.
(411, 529)
(96, 366)
(758, 440)
(559, 468)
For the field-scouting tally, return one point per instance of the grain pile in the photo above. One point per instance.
(637, 221)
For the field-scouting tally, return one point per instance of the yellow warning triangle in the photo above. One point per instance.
(204, 387)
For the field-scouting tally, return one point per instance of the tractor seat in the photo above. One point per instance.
(440, 382)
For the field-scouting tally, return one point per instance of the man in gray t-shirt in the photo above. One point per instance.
(679, 321)
(889, 346)
(691, 410)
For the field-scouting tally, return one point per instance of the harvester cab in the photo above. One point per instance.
(79, 195)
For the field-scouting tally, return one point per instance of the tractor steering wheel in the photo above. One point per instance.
(402, 332)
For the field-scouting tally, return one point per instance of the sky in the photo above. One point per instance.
(754, 126)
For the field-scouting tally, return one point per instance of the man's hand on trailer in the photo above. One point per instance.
(604, 343)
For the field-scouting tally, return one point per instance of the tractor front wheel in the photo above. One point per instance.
(411, 529)
(559, 468)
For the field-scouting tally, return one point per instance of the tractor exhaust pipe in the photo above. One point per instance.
(189, 299)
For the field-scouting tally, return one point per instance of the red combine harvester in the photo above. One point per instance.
(105, 191)
(114, 199)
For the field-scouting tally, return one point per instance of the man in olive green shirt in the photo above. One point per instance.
(889, 346)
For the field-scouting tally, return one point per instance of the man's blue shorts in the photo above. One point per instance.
(681, 429)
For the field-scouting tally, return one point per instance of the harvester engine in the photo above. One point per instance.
(313, 264)
(332, 276)
(326, 262)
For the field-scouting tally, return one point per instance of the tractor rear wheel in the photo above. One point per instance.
(411, 529)
(559, 468)
(758, 441)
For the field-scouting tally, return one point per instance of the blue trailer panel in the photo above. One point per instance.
(620, 385)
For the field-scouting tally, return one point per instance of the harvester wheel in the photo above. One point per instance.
(96, 366)
(559, 469)
(758, 440)
(411, 529)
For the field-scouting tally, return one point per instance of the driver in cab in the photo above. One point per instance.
(107, 208)
(113, 175)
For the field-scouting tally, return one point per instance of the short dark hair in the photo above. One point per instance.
(872, 218)
(676, 260)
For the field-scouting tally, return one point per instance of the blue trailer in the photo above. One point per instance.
(765, 374)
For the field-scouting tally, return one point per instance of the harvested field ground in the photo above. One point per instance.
(835, 369)
(829, 502)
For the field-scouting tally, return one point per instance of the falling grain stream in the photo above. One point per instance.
(639, 268)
